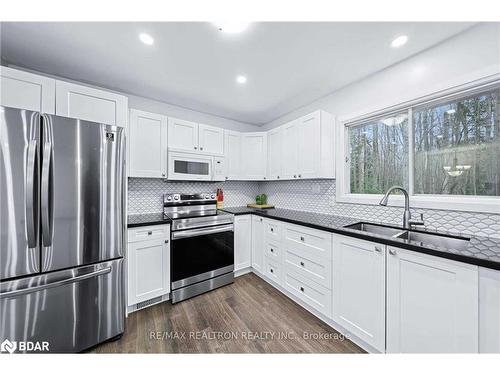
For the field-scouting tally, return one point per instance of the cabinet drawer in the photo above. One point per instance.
(273, 251)
(273, 229)
(314, 294)
(273, 271)
(316, 269)
(152, 232)
(314, 242)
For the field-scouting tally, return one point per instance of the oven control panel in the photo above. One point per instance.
(184, 198)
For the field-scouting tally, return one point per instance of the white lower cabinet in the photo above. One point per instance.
(242, 242)
(359, 288)
(257, 243)
(432, 304)
(489, 311)
(148, 259)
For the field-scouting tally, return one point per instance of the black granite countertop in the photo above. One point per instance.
(147, 219)
(481, 251)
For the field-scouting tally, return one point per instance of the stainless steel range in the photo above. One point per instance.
(202, 246)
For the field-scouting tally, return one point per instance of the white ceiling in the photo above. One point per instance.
(194, 65)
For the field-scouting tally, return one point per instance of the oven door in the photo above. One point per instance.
(201, 254)
(185, 166)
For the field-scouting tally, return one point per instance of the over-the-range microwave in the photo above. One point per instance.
(188, 166)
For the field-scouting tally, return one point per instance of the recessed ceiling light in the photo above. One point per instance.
(232, 27)
(399, 41)
(241, 79)
(146, 39)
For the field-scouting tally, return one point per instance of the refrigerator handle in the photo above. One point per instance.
(46, 201)
(69, 280)
(31, 184)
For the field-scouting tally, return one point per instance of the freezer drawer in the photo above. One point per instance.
(71, 309)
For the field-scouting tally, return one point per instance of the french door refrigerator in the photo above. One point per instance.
(61, 231)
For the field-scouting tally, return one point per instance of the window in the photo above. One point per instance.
(379, 154)
(445, 147)
(457, 146)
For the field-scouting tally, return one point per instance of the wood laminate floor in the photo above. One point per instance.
(248, 316)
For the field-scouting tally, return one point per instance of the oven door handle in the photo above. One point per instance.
(202, 231)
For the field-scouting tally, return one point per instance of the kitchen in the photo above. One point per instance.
(182, 211)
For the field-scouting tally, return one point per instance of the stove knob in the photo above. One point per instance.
(176, 197)
(212, 196)
(207, 196)
(169, 198)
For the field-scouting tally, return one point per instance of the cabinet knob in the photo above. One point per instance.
(302, 239)
(163, 174)
(272, 250)
(392, 252)
(227, 178)
(201, 148)
(302, 264)
(378, 249)
(301, 288)
(272, 230)
(272, 271)
(294, 176)
(260, 219)
(166, 241)
(150, 233)
(264, 178)
(195, 147)
(278, 177)
(300, 176)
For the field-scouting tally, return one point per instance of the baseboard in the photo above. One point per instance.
(144, 305)
(242, 271)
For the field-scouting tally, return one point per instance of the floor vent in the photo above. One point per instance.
(149, 302)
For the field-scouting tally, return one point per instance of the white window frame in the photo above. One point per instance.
(483, 204)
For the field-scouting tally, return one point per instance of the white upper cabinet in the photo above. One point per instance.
(307, 146)
(147, 144)
(254, 155)
(90, 104)
(289, 154)
(27, 91)
(432, 304)
(309, 149)
(232, 147)
(182, 135)
(211, 139)
(274, 143)
(359, 288)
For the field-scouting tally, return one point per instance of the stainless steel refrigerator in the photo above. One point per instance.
(61, 231)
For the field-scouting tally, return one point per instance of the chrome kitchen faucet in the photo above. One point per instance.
(407, 221)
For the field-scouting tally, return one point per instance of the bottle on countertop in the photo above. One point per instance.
(220, 199)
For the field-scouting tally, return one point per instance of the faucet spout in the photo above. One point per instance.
(407, 214)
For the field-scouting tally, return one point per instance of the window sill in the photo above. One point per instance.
(445, 202)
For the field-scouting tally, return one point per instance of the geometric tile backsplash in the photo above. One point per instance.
(145, 196)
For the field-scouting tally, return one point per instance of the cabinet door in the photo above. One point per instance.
(254, 155)
(148, 270)
(275, 154)
(90, 104)
(359, 289)
(290, 151)
(257, 243)
(24, 90)
(211, 139)
(242, 242)
(489, 311)
(182, 135)
(233, 155)
(148, 144)
(432, 304)
(309, 146)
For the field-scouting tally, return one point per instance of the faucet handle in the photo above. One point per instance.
(418, 222)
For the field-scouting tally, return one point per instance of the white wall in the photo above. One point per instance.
(468, 56)
(149, 105)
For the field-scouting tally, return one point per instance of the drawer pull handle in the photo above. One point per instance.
(150, 233)
(166, 241)
(301, 288)
(272, 230)
(272, 250)
(378, 249)
(302, 264)
(302, 238)
(272, 271)
(392, 252)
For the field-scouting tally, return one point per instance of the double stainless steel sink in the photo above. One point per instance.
(434, 239)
